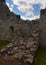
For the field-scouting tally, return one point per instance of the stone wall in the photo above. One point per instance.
(12, 25)
(42, 22)
(21, 28)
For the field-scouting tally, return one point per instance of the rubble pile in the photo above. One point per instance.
(21, 50)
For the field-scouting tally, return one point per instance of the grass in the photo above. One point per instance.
(1, 63)
(3, 43)
(41, 57)
(39, 60)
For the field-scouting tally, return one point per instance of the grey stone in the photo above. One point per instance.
(25, 35)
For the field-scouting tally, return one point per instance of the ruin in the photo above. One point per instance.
(26, 36)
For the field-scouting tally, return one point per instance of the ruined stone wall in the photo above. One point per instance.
(20, 28)
(11, 25)
(42, 22)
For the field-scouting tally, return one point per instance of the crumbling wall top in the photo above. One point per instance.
(18, 16)
(2, 1)
(43, 11)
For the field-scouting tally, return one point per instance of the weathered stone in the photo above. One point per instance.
(24, 36)
(29, 59)
(25, 50)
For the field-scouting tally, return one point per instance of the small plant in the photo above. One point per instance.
(3, 43)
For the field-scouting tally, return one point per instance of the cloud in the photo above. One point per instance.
(28, 2)
(26, 6)
(10, 6)
(32, 18)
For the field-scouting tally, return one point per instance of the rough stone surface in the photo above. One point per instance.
(20, 27)
(25, 36)
(23, 49)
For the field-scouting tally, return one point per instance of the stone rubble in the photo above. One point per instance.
(22, 48)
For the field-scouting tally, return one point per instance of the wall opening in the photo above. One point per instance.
(11, 28)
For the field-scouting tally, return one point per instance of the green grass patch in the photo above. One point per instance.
(1, 63)
(41, 57)
(3, 43)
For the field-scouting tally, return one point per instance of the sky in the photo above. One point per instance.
(27, 9)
